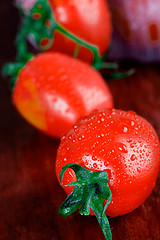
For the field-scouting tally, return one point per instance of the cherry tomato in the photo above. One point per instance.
(80, 28)
(124, 145)
(53, 90)
(89, 20)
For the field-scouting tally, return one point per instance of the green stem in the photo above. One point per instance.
(34, 28)
(118, 75)
(90, 191)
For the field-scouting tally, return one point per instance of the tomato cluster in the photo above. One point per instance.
(108, 159)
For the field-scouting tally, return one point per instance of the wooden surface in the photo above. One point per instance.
(29, 192)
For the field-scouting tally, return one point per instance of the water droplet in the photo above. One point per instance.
(95, 165)
(63, 138)
(139, 169)
(132, 123)
(94, 158)
(133, 157)
(132, 145)
(125, 129)
(106, 163)
(121, 147)
(129, 140)
(118, 181)
(122, 127)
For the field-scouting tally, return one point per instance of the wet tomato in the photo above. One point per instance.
(53, 90)
(120, 144)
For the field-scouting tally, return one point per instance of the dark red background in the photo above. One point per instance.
(29, 192)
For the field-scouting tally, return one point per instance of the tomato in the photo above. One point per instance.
(82, 28)
(121, 143)
(89, 20)
(53, 90)
(109, 155)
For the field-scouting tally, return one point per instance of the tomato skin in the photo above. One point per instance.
(88, 20)
(53, 90)
(121, 143)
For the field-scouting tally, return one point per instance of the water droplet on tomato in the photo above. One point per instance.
(94, 158)
(139, 169)
(121, 147)
(122, 128)
(132, 145)
(118, 181)
(106, 163)
(133, 157)
(125, 130)
(95, 165)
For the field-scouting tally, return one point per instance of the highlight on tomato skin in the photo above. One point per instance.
(53, 90)
(121, 143)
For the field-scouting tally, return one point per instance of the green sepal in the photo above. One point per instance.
(12, 69)
(90, 191)
(35, 28)
(118, 75)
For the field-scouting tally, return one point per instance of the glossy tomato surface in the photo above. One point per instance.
(86, 19)
(53, 90)
(121, 143)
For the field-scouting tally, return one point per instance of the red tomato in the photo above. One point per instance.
(121, 143)
(53, 90)
(80, 28)
(88, 20)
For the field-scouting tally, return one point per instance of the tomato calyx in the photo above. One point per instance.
(13, 69)
(90, 191)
